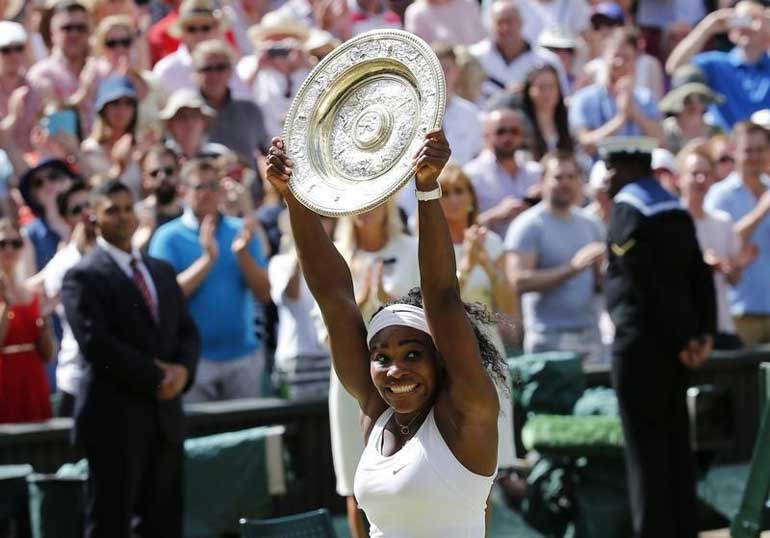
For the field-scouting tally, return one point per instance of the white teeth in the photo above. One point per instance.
(403, 388)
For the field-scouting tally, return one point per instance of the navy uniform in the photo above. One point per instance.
(660, 295)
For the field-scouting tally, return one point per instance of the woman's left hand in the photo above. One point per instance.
(429, 161)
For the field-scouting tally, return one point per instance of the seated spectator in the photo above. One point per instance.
(565, 46)
(462, 125)
(554, 254)
(39, 186)
(502, 176)
(741, 75)
(617, 107)
(279, 66)
(187, 119)
(160, 187)
(368, 15)
(26, 338)
(543, 104)
(57, 77)
(302, 362)
(745, 197)
(199, 20)
(74, 208)
(221, 268)
(114, 48)
(505, 56)
(238, 124)
(686, 103)
(19, 103)
(722, 151)
(125, 9)
(111, 147)
(457, 22)
(718, 240)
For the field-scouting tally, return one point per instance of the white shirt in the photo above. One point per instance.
(297, 332)
(493, 182)
(715, 232)
(269, 91)
(175, 71)
(462, 125)
(123, 259)
(504, 74)
(69, 365)
(572, 15)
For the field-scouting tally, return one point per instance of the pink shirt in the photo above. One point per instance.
(457, 22)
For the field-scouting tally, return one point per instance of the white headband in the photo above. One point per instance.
(397, 314)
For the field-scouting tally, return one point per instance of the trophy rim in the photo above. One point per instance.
(437, 120)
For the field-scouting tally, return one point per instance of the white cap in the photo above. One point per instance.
(12, 33)
(185, 98)
(762, 118)
(597, 179)
(557, 37)
(662, 159)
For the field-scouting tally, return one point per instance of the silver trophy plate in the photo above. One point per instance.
(359, 118)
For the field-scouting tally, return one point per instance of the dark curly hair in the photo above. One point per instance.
(479, 316)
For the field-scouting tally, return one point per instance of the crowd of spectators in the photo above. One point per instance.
(179, 101)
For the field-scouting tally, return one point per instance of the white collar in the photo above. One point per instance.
(122, 257)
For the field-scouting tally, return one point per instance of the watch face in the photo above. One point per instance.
(358, 119)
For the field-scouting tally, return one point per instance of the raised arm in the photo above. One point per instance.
(330, 282)
(470, 389)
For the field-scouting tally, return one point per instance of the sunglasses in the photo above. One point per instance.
(194, 29)
(600, 22)
(10, 49)
(115, 43)
(15, 244)
(207, 186)
(214, 68)
(78, 28)
(52, 177)
(726, 159)
(77, 209)
(166, 171)
(508, 130)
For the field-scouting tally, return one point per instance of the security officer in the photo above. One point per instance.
(660, 295)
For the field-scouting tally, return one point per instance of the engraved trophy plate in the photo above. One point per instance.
(359, 118)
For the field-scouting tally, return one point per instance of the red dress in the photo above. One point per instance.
(24, 390)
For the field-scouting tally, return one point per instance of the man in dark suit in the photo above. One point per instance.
(141, 348)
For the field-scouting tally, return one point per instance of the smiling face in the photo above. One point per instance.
(405, 369)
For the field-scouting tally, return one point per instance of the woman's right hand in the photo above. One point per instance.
(279, 167)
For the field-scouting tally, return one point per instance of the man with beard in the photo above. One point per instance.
(502, 177)
(554, 252)
(660, 295)
(75, 210)
(160, 184)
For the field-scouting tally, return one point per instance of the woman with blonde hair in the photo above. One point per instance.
(383, 265)
(26, 338)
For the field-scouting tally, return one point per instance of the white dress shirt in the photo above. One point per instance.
(123, 259)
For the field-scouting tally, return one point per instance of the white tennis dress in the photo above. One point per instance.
(421, 491)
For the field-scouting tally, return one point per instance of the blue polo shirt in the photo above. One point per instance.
(593, 106)
(752, 294)
(222, 306)
(746, 87)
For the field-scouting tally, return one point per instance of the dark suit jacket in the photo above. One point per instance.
(120, 341)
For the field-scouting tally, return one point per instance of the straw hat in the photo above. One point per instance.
(203, 11)
(277, 23)
(686, 81)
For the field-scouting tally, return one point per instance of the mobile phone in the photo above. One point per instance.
(278, 51)
(740, 21)
(61, 121)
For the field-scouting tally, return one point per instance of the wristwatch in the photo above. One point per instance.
(424, 196)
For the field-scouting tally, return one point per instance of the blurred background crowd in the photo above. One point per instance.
(179, 101)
